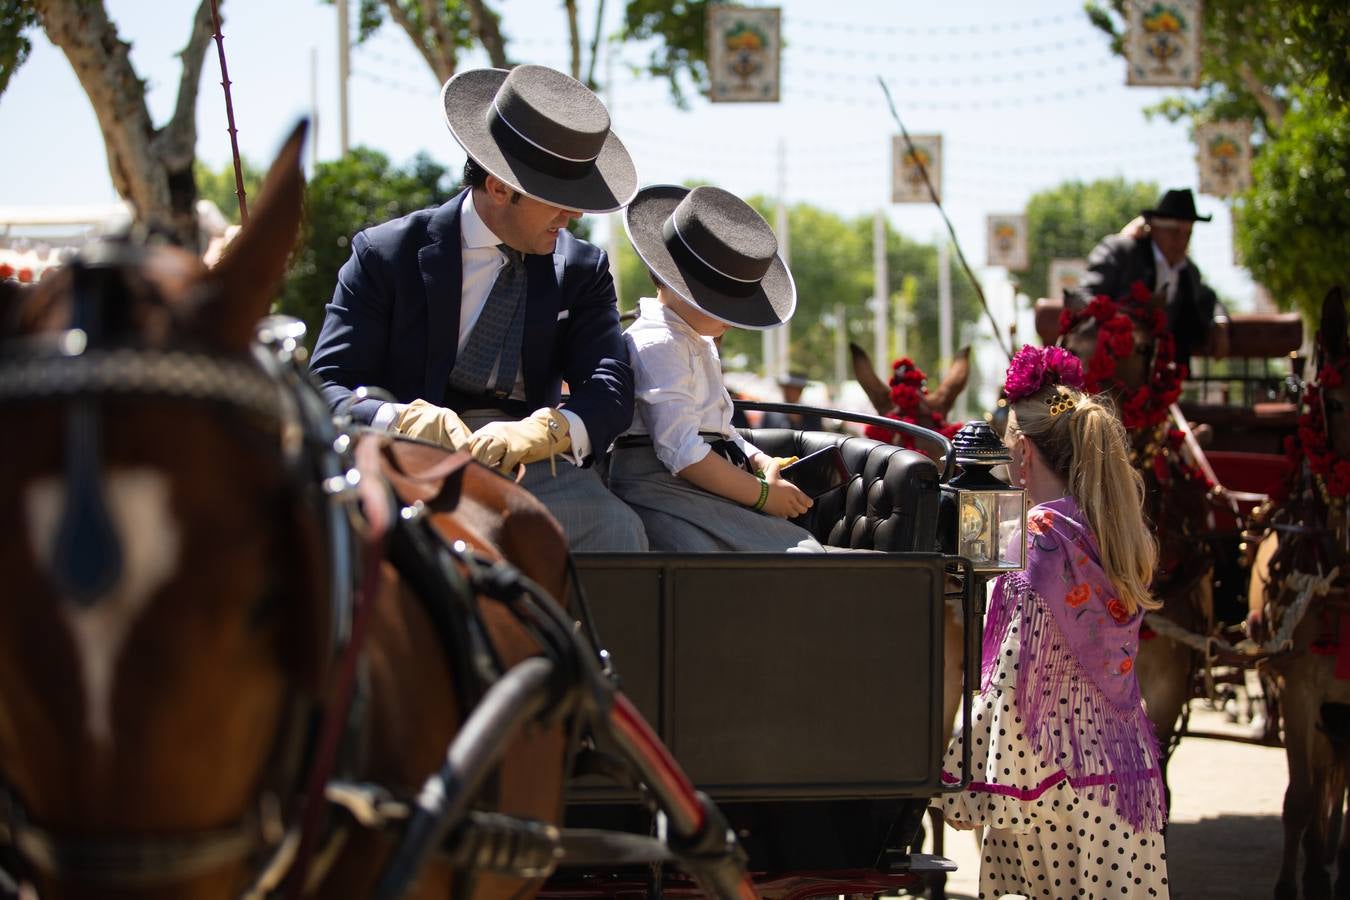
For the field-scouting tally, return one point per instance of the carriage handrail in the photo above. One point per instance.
(843, 415)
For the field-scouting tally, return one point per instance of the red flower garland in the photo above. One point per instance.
(1147, 405)
(909, 393)
(1332, 471)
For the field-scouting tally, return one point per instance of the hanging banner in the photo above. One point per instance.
(1007, 241)
(1065, 275)
(743, 57)
(1224, 155)
(907, 168)
(1162, 43)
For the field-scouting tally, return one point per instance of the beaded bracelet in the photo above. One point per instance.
(763, 491)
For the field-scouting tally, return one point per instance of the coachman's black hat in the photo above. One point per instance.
(543, 133)
(712, 249)
(1177, 204)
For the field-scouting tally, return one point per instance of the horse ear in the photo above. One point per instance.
(252, 265)
(876, 390)
(1332, 335)
(953, 383)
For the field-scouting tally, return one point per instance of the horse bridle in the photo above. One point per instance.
(77, 367)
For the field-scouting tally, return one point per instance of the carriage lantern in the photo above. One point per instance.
(989, 514)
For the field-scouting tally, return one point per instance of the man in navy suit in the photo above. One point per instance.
(471, 315)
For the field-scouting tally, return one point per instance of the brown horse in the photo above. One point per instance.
(1298, 599)
(166, 631)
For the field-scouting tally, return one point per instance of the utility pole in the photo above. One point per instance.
(615, 218)
(313, 108)
(945, 349)
(344, 67)
(881, 292)
(783, 333)
(840, 347)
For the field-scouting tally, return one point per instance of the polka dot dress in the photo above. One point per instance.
(1043, 838)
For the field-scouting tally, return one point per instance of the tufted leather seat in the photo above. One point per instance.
(890, 504)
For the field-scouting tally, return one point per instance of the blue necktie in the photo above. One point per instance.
(497, 335)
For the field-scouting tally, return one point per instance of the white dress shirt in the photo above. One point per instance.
(480, 264)
(679, 389)
(1167, 274)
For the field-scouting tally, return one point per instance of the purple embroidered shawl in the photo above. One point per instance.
(1078, 645)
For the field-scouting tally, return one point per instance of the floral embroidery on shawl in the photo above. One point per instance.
(1076, 688)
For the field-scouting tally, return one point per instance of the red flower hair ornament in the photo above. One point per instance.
(1034, 368)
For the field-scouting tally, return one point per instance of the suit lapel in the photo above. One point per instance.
(441, 264)
(543, 296)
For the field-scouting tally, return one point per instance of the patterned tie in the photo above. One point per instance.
(497, 335)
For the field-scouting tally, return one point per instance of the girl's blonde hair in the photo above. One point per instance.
(1084, 442)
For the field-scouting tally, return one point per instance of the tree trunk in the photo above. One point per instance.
(574, 35)
(595, 45)
(151, 168)
(440, 58)
(483, 23)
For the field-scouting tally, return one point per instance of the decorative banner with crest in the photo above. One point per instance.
(1224, 155)
(1007, 241)
(1162, 42)
(1065, 275)
(743, 44)
(906, 175)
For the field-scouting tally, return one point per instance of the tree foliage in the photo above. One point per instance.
(343, 197)
(440, 30)
(832, 263)
(219, 187)
(1293, 229)
(1284, 67)
(1067, 221)
(681, 35)
(15, 19)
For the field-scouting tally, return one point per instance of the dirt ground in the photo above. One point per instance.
(1224, 839)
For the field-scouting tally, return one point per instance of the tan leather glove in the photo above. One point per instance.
(504, 445)
(436, 424)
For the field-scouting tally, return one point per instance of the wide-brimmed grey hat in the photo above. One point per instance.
(712, 249)
(543, 133)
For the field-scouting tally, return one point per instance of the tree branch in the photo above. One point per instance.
(574, 37)
(595, 44)
(445, 42)
(176, 144)
(419, 40)
(483, 23)
(1271, 107)
(102, 63)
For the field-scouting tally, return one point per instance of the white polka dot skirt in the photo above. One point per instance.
(1043, 837)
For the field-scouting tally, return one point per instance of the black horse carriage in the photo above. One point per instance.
(804, 692)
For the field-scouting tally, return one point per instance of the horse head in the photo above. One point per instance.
(166, 605)
(906, 395)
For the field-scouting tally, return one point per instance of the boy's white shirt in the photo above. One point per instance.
(677, 376)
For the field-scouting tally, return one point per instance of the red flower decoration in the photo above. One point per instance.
(1080, 594)
(1117, 610)
(909, 394)
(1126, 666)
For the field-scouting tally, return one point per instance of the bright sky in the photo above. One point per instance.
(1025, 95)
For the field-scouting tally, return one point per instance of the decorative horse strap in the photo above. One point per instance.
(1309, 587)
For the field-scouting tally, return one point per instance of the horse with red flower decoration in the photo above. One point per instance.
(1299, 606)
(1128, 353)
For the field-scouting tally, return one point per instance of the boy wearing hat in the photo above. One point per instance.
(1156, 255)
(696, 483)
(471, 315)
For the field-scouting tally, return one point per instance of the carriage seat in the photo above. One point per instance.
(890, 503)
(1250, 335)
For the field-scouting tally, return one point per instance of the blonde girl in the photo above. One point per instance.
(1065, 767)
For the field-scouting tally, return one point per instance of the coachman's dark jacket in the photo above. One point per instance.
(1119, 261)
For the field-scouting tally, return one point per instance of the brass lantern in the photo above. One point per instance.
(990, 515)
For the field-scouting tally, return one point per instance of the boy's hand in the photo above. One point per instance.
(786, 500)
